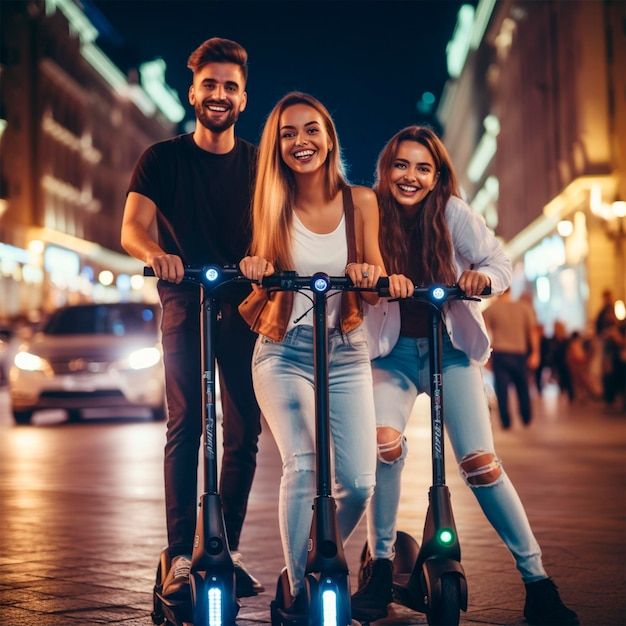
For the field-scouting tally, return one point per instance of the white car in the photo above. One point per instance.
(91, 356)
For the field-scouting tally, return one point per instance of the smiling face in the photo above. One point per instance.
(413, 175)
(218, 96)
(304, 140)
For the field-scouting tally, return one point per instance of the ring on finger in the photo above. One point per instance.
(365, 274)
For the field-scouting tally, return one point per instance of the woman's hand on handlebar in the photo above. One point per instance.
(473, 282)
(167, 267)
(400, 286)
(364, 274)
(256, 267)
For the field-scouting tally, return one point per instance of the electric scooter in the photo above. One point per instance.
(213, 599)
(327, 580)
(430, 579)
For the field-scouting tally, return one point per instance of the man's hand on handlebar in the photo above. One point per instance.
(168, 267)
(473, 283)
(256, 267)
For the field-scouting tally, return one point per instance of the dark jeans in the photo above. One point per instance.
(241, 424)
(510, 368)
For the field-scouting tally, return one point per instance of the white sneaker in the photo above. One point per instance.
(177, 580)
(246, 584)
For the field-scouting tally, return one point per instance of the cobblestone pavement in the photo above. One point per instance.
(82, 520)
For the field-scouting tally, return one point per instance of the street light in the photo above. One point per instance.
(611, 214)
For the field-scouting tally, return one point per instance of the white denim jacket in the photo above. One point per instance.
(476, 248)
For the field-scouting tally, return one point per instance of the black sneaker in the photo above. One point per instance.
(176, 583)
(297, 612)
(370, 602)
(544, 606)
(246, 585)
(290, 611)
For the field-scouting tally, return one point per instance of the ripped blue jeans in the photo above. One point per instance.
(398, 379)
(283, 375)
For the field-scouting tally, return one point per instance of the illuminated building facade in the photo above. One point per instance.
(72, 126)
(535, 123)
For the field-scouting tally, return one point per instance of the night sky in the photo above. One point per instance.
(369, 62)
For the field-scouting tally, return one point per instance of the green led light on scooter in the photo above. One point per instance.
(445, 537)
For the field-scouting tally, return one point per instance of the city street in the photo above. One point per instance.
(83, 524)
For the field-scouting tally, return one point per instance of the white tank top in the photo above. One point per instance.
(313, 253)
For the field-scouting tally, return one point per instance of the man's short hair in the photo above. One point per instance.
(217, 50)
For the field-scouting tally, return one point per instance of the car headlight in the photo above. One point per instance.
(144, 358)
(30, 362)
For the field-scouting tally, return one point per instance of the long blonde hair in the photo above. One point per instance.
(275, 186)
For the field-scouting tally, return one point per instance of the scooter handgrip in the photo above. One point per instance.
(485, 292)
(284, 280)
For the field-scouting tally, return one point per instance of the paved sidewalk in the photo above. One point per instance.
(82, 519)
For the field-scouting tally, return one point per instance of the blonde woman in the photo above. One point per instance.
(307, 218)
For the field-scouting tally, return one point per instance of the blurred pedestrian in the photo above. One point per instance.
(561, 369)
(546, 359)
(512, 327)
(607, 331)
(606, 315)
(613, 356)
(578, 358)
(552, 366)
(197, 189)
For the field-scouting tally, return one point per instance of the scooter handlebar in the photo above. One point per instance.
(445, 292)
(439, 294)
(318, 282)
(207, 275)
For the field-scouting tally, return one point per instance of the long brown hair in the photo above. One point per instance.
(435, 261)
(275, 187)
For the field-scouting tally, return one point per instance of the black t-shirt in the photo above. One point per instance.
(202, 198)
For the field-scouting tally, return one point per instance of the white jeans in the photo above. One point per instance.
(283, 375)
(398, 379)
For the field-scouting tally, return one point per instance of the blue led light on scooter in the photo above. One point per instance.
(214, 598)
(438, 293)
(329, 607)
(212, 274)
(320, 284)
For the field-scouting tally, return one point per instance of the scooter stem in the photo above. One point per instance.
(322, 399)
(209, 417)
(436, 394)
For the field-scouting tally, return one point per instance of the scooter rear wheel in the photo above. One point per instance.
(447, 612)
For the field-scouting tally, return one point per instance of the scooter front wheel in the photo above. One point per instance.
(447, 611)
(157, 606)
(277, 603)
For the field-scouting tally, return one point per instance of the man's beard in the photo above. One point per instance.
(216, 127)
